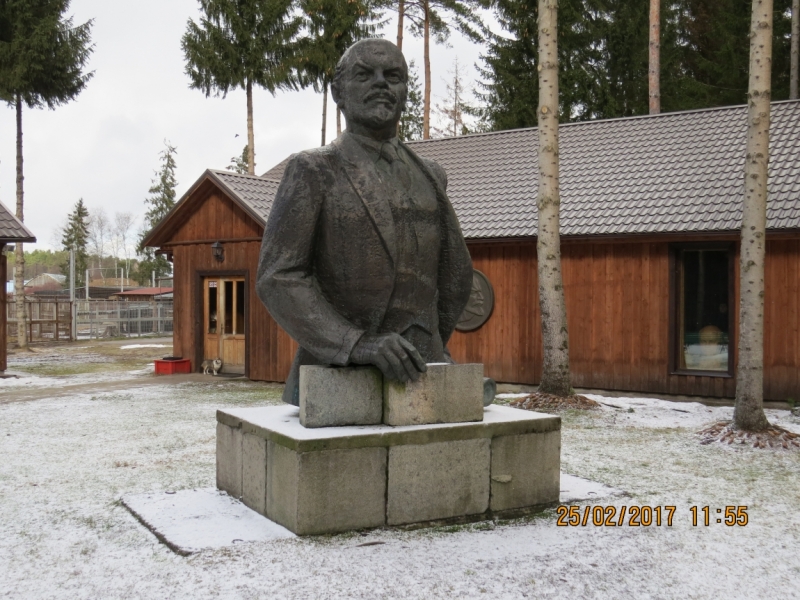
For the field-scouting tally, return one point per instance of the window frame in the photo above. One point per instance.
(674, 303)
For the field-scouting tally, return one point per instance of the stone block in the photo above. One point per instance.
(333, 397)
(327, 491)
(438, 480)
(444, 394)
(525, 470)
(254, 472)
(229, 459)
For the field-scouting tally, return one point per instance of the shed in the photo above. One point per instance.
(651, 210)
(12, 230)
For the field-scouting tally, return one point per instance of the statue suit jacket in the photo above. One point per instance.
(326, 269)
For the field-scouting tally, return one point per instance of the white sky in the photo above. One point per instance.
(104, 146)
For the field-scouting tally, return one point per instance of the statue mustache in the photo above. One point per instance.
(382, 95)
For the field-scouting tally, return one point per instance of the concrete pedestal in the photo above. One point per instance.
(336, 479)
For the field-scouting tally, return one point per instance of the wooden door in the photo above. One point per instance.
(224, 322)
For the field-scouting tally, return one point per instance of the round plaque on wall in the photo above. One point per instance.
(480, 305)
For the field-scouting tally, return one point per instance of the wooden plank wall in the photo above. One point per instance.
(782, 314)
(618, 310)
(269, 350)
(617, 303)
(3, 309)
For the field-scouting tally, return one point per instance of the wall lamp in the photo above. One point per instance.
(217, 251)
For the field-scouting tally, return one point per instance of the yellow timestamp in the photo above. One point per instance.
(732, 516)
(645, 516)
(612, 516)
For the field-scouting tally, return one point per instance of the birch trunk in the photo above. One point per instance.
(654, 68)
(324, 111)
(401, 13)
(555, 338)
(251, 152)
(19, 253)
(748, 413)
(426, 104)
(795, 61)
(338, 122)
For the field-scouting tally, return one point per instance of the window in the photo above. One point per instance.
(702, 309)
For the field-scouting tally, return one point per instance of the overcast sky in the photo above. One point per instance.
(104, 146)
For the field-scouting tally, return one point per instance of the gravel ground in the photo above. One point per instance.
(68, 458)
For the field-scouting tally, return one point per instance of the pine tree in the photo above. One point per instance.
(410, 126)
(239, 44)
(75, 234)
(332, 26)
(159, 203)
(42, 57)
(437, 18)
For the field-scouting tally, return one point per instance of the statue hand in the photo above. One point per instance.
(391, 353)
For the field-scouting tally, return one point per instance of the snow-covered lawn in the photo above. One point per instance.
(67, 460)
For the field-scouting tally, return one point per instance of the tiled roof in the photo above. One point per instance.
(276, 172)
(668, 173)
(256, 193)
(12, 229)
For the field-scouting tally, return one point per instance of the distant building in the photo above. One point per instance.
(46, 284)
(143, 294)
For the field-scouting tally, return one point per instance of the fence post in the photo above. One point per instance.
(56, 336)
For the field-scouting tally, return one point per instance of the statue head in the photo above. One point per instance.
(370, 87)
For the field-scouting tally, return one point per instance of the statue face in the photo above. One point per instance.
(373, 89)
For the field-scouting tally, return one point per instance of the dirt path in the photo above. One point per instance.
(25, 394)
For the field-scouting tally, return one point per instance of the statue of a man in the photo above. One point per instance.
(363, 261)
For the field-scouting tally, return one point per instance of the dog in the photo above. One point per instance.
(213, 365)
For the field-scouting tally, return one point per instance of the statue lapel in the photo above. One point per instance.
(364, 177)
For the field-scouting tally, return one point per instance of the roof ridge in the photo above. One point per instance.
(595, 121)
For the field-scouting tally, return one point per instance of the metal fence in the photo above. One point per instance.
(51, 320)
(108, 318)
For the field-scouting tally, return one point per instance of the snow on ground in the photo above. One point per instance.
(132, 346)
(67, 461)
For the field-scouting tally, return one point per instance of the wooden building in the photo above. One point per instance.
(651, 208)
(12, 231)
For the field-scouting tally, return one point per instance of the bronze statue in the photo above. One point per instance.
(363, 261)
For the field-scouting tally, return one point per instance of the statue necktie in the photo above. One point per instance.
(394, 164)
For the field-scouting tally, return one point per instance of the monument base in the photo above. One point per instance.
(335, 479)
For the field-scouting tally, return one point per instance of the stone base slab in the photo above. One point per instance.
(335, 479)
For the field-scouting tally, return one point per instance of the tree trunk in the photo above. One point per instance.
(324, 111)
(555, 338)
(748, 413)
(338, 122)
(426, 104)
(19, 253)
(251, 153)
(401, 14)
(654, 69)
(795, 61)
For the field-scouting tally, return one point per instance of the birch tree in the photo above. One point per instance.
(654, 62)
(555, 364)
(748, 413)
(794, 72)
